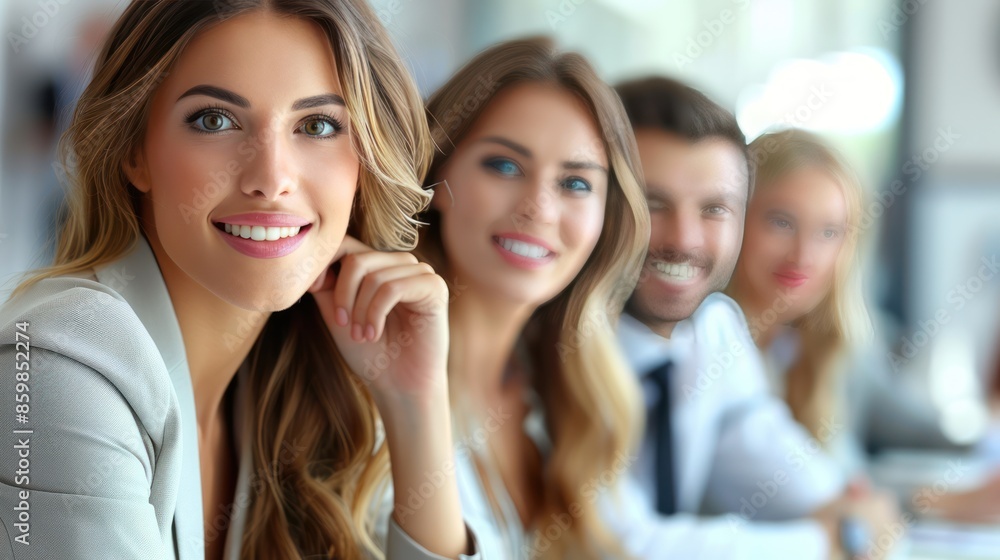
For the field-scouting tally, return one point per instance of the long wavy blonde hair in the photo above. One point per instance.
(590, 396)
(317, 499)
(841, 318)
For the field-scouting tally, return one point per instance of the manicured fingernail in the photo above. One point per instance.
(341, 317)
(356, 332)
(369, 333)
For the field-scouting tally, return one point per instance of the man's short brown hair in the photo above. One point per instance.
(671, 106)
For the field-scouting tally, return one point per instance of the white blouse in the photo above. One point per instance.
(500, 531)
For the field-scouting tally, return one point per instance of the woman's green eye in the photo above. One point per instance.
(321, 128)
(212, 122)
(314, 128)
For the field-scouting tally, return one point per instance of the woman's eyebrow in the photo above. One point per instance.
(318, 100)
(243, 102)
(584, 164)
(519, 148)
(777, 213)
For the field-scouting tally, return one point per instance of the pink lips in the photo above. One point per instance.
(526, 238)
(264, 249)
(791, 279)
(521, 261)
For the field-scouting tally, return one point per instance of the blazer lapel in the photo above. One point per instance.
(138, 279)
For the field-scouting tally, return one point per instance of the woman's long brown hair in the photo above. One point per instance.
(590, 396)
(318, 464)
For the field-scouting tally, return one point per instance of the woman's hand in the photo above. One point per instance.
(980, 505)
(877, 509)
(388, 314)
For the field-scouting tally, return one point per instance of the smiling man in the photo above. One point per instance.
(717, 443)
(697, 188)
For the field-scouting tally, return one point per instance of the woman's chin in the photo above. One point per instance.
(263, 299)
(528, 294)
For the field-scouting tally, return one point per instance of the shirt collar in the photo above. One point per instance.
(646, 349)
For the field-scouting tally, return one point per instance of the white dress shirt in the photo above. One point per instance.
(738, 453)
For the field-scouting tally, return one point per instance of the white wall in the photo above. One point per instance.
(956, 83)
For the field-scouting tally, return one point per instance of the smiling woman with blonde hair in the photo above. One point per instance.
(187, 360)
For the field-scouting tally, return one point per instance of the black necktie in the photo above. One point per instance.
(665, 500)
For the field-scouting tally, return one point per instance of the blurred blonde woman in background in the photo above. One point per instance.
(798, 280)
(539, 225)
(798, 272)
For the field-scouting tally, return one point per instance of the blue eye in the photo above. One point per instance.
(783, 224)
(503, 166)
(831, 234)
(210, 121)
(576, 184)
(716, 210)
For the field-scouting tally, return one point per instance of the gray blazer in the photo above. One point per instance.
(100, 460)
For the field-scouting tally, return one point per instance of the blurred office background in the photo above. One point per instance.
(908, 90)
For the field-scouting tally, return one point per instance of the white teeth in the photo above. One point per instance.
(262, 233)
(524, 249)
(672, 271)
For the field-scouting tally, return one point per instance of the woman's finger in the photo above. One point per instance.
(354, 267)
(370, 285)
(407, 290)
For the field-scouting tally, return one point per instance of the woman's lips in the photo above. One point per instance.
(260, 247)
(523, 251)
(791, 279)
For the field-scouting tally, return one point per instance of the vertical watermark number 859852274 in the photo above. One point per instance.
(22, 432)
